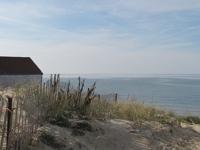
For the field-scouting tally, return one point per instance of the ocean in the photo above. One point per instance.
(177, 93)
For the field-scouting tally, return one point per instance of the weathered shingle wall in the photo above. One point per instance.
(12, 80)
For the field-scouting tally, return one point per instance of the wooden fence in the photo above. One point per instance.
(17, 125)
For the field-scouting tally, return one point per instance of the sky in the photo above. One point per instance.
(103, 36)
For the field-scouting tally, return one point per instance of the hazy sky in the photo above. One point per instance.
(103, 36)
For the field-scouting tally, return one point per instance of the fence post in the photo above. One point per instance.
(9, 121)
(115, 97)
(99, 97)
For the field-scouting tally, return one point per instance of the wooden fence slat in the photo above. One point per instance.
(1, 108)
(9, 121)
(16, 116)
(3, 131)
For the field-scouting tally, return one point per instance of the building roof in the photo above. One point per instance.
(18, 66)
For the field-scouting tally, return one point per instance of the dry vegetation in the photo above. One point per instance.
(53, 103)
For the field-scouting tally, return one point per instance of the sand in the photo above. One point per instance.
(121, 135)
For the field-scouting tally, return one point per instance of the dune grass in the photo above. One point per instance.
(189, 119)
(54, 103)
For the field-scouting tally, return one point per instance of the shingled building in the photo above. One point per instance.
(18, 70)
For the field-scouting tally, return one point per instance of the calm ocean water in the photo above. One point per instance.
(177, 93)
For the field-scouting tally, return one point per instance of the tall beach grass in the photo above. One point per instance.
(50, 101)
